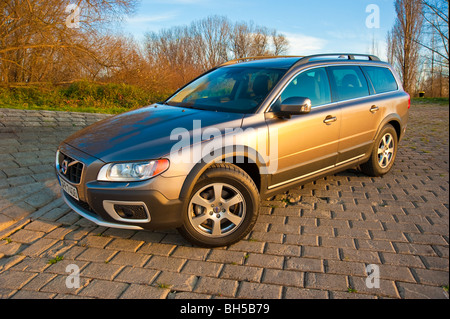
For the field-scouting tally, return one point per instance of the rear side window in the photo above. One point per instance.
(381, 78)
(349, 82)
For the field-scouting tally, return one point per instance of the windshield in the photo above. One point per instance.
(235, 89)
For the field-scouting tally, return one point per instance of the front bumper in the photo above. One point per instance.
(90, 215)
(158, 198)
(162, 213)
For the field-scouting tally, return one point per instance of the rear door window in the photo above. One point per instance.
(382, 79)
(349, 82)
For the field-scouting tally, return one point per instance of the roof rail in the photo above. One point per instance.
(263, 57)
(348, 56)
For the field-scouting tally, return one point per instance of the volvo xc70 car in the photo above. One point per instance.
(248, 129)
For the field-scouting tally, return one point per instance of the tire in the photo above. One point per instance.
(383, 154)
(222, 209)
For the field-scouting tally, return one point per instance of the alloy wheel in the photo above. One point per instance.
(217, 210)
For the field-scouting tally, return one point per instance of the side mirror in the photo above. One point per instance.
(294, 106)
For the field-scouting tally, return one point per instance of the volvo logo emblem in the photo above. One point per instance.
(64, 166)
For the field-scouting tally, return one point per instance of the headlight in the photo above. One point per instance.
(132, 172)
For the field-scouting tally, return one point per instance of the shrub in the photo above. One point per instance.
(80, 96)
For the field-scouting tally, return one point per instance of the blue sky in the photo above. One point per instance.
(320, 26)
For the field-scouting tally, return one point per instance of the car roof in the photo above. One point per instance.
(268, 62)
(287, 62)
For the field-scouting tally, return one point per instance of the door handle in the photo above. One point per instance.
(374, 108)
(330, 119)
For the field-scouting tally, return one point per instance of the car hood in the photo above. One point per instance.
(144, 134)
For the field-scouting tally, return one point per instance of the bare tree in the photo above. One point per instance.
(435, 15)
(37, 45)
(240, 41)
(403, 41)
(211, 36)
(280, 43)
(180, 53)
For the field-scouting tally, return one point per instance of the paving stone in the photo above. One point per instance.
(360, 256)
(38, 247)
(402, 260)
(431, 277)
(41, 198)
(101, 271)
(104, 289)
(41, 226)
(225, 256)
(271, 237)
(310, 240)
(176, 281)
(435, 263)
(130, 259)
(95, 241)
(345, 267)
(251, 290)
(416, 291)
(8, 262)
(375, 245)
(165, 263)
(283, 278)
(64, 266)
(191, 253)
(14, 280)
(137, 275)
(37, 265)
(15, 213)
(39, 281)
(387, 287)
(265, 261)
(326, 281)
(58, 249)
(320, 252)
(60, 233)
(125, 244)
(241, 273)
(217, 287)
(157, 249)
(187, 295)
(297, 293)
(25, 236)
(283, 250)
(304, 264)
(96, 255)
(350, 295)
(144, 292)
(203, 268)
(396, 273)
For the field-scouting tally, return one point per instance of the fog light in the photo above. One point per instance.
(131, 211)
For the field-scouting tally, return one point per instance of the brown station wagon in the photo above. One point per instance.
(248, 129)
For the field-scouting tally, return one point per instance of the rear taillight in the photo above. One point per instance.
(409, 101)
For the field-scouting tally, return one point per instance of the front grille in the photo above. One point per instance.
(70, 168)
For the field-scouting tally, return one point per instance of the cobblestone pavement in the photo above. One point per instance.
(314, 241)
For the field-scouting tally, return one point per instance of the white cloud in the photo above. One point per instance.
(181, 1)
(300, 44)
(139, 18)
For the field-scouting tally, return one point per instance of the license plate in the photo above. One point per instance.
(69, 189)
